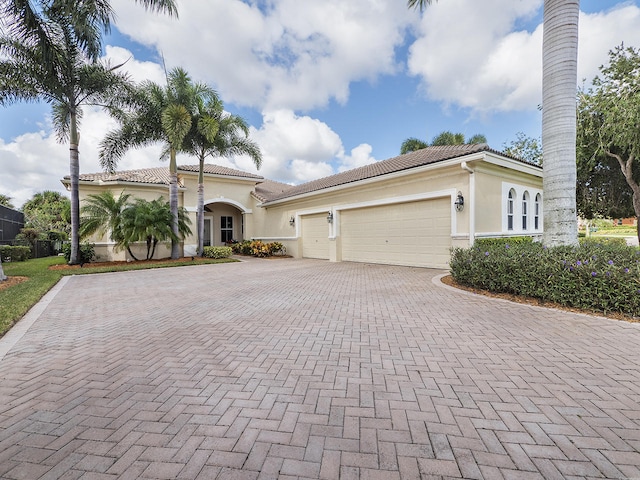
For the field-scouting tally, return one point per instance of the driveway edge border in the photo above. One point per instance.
(19, 329)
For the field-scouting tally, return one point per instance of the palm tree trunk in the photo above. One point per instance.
(3, 277)
(173, 204)
(559, 84)
(200, 209)
(74, 167)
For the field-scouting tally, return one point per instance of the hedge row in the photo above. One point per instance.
(19, 253)
(217, 252)
(597, 276)
(258, 248)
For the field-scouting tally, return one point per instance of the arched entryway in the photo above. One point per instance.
(223, 222)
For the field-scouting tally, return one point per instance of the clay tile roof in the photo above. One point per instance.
(269, 188)
(160, 175)
(157, 175)
(218, 170)
(402, 162)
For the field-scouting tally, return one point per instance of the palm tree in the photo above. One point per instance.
(412, 144)
(445, 138)
(217, 134)
(559, 84)
(29, 22)
(25, 76)
(49, 51)
(559, 81)
(161, 114)
(151, 222)
(101, 214)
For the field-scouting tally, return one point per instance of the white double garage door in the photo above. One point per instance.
(414, 233)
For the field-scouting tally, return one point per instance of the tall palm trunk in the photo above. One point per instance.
(74, 167)
(173, 203)
(200, 209)
(559, 83)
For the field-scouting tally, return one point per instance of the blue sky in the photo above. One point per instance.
(328, 86)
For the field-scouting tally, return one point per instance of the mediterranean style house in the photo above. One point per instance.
(407, 210)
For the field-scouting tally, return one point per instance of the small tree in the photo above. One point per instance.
(151, 222)
(525, 148)
(609, 119)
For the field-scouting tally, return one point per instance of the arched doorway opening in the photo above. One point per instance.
(223, 223)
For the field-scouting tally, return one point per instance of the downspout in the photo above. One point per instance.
(472, 203)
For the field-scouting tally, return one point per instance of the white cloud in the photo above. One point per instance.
(360, 156)
(468, 55)
(298, 149)
(138, 71)
(287, 55)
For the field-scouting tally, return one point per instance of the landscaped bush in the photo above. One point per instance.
(595, 276)
(16, 253)
(257, 248)
(87, 252)
(217, 252)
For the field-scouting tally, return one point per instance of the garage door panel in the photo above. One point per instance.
(315, 236)
(416, 233)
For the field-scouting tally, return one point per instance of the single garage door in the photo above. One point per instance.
(315, 236)
(415, 233)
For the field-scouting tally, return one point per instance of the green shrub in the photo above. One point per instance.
(618, 241)
(18, 253)
(217, 252)
(87, 252)
(258, 248)
(594, 276)
(486, 242)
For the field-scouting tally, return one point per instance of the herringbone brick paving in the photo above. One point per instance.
(308, 369)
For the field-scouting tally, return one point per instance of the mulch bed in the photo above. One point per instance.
(64, 266)
(11, 281)
(448, 280)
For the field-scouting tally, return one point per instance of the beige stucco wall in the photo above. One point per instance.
(224, 196)
(482, 190)
(438, 181)
(491, 201)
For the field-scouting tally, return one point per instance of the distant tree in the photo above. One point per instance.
(47, 211)
(609, 130)
(448, 138)
(5, 201)
(412, 144)
(524, 147)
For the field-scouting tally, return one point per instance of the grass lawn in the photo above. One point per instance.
(18, 298)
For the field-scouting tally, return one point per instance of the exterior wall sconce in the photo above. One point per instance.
(330, 217)
(292, 221)
(459, 203)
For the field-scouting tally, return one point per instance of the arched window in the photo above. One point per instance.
(510, 200)
(536, 213)
(525, 210)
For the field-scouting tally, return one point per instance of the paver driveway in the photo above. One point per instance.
(310, 369)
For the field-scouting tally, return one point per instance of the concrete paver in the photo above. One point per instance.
(310, 369)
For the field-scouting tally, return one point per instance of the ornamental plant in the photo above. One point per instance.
(601, 277)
